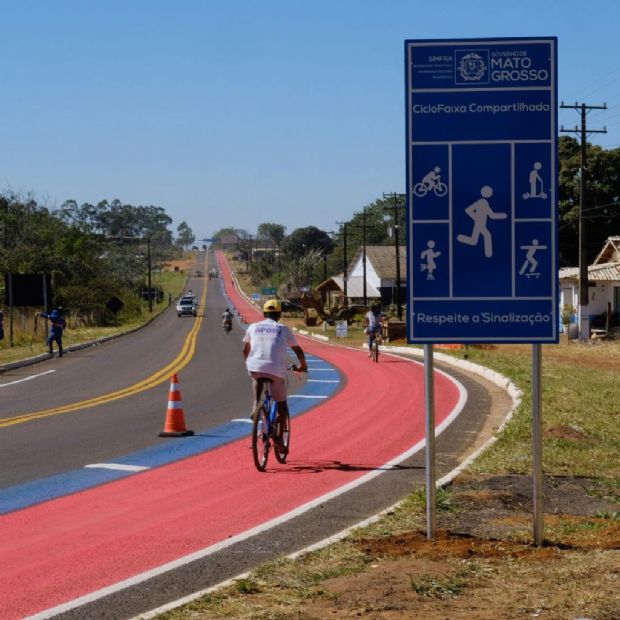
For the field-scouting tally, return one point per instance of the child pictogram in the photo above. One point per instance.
(530, 261)
(431, 182)
(480, 211)
(537, 189)
(429, 255)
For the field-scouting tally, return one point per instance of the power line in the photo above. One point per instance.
(587, 88)
(396, 215)
(583, 133)
(363, 227)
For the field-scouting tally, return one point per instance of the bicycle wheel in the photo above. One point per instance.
(283, 439)
(420, 190)
(260, 438)
(441, 189)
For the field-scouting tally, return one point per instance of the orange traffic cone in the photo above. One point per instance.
(175, 420)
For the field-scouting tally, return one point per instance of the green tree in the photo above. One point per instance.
(115, 219)
(303, 241)
(185, 236)
(274, 232)
(301, 269)
(601, 216)
(79, 247)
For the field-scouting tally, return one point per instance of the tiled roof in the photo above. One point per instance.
(608, 272)
(383, 259)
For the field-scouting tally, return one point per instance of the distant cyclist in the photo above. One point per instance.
(265, 355)
(227, 318)
(372, 325)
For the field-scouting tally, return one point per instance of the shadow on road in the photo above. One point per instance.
(316, 467)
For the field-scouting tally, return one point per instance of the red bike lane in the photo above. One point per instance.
(85, 543)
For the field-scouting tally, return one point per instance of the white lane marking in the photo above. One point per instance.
(47, 372)
(206, 551)
(304, 396)
(244, 420)
(323, 381)
(116, 466)
(313, 369)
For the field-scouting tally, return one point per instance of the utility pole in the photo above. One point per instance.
(583, 132)
(344, 261)
(364, 226)
(148, 266)
(396, 215)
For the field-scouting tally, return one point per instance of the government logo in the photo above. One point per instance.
(472, 67)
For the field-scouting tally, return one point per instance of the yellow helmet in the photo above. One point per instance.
(272, 305)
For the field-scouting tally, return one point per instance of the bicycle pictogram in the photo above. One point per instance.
(431, 182)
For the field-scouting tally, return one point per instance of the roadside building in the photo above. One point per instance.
(381, 278)
(603, 307)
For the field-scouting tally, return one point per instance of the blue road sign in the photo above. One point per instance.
(482, 190)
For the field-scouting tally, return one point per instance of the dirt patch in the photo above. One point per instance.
(481, 563)
(448, 544)
(565, 432)
(483, 589)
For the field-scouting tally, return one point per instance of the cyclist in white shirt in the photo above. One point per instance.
(372, 325)
(264, 351)
(227, 319)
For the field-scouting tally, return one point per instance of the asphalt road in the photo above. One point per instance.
(215, 390)
(213, 383)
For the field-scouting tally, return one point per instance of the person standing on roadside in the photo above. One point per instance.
(58, 326)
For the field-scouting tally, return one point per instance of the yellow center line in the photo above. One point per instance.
(157, 378)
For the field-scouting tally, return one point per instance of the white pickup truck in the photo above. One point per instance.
(187, 305)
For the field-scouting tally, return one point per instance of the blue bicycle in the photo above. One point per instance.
(268, 429)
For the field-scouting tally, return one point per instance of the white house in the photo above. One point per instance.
(604, 290)
(380, 277)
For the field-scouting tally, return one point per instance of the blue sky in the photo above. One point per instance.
(237, 112)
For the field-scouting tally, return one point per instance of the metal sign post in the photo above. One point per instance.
(429, 402)
(482, 163)
(537, 468)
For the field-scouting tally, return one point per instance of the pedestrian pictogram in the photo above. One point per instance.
(429, 255)
(480, 211)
